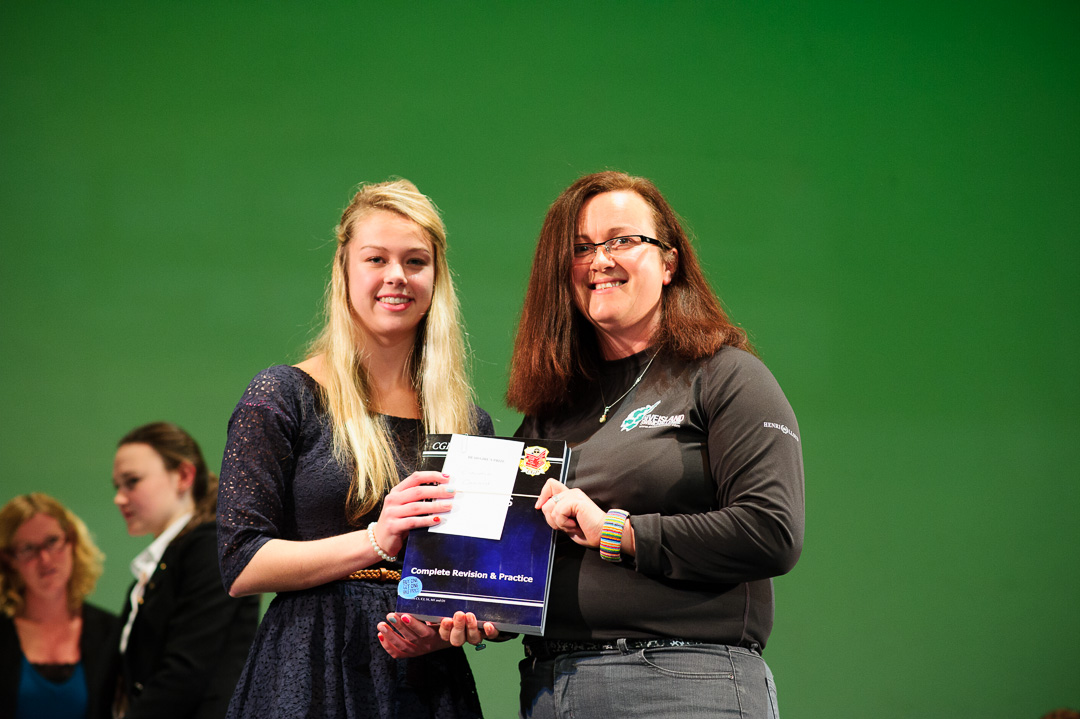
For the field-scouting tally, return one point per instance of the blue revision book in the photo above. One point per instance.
(504, 581)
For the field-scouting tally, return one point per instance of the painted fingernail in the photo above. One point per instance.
(481, 646)
(437, 519)
(393, 619)
(405, 619)
(446, 475)
(380, 636)
(451, 490)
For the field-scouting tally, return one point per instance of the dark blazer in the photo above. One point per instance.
(96, 652)
(190, 639)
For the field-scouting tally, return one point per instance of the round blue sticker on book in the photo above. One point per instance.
(409, 587)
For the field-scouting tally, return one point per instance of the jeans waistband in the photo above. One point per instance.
(550, 648)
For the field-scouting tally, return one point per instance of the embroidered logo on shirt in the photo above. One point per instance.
(643, 416)
(783, 428)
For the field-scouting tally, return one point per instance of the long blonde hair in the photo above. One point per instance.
(436, 367)
(87, 559)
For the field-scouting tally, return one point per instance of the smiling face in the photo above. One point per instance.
(620, 297)
(391, 271)
(46, 573)
(149, 495)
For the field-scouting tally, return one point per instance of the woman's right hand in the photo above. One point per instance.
(416, 501)
(463, 627)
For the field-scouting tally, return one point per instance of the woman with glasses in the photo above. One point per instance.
(685, 494)
(183, 639)
(55, 657)
(319, 487)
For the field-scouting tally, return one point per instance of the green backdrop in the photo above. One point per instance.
(884, 195)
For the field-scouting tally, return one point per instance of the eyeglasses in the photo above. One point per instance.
(583, 251)
(26, 552)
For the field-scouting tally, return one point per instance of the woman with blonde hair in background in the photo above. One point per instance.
(184, 639)
(55, 656)
(319, 483)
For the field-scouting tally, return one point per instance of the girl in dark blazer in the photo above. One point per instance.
(184, 640)
(55, 654)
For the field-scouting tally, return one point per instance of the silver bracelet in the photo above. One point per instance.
(375, 545)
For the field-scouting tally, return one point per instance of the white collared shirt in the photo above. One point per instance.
(143, 565)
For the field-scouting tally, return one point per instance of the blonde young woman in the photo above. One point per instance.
(55, 658)
(319, 487)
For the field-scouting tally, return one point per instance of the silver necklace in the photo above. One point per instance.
(607, 407)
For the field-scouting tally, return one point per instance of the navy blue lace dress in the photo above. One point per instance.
(316, 653)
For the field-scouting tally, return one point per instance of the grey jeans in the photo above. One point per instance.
(691, 682)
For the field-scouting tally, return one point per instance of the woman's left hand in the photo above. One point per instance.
(571, 511)
(404, 636)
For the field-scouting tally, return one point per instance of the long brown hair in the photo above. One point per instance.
(87, 559)
(175, 447)
(556, 347)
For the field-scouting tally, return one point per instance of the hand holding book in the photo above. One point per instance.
(414, 502)
(404, 636)
(571, 511)
(495, 564)
(463, 627)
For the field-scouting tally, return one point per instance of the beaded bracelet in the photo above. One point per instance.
(375, 545)
(611, 535)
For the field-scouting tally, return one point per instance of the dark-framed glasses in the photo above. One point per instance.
(26, 552)
(583, 251)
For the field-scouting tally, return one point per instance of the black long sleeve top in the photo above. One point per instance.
(706, 457)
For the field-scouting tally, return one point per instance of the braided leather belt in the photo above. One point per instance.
(382, 574)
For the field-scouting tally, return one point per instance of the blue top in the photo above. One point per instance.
(39, 697)
(316, 652)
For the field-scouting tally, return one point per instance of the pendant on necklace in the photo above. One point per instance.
(607, 408)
